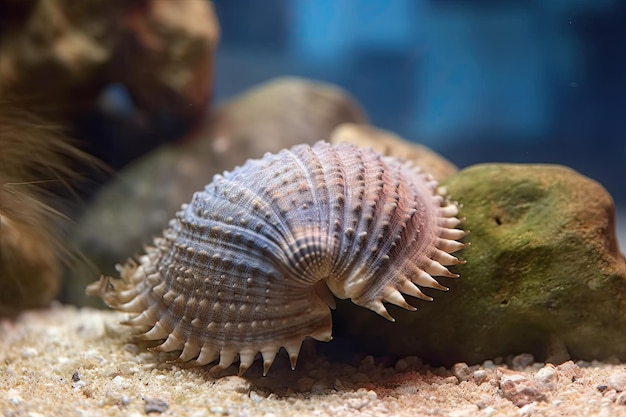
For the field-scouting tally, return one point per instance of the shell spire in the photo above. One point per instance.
(246, 266)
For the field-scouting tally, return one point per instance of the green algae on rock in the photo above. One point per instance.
(544, 274)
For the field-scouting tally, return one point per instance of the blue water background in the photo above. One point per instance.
(476, 80)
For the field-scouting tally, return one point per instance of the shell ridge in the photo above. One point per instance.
(336, 190)
(352, 193)
(177, 318)
(253, 199)
(396, 229)
(309, 243)
(352, 279)
(275, 232)
(336, 178)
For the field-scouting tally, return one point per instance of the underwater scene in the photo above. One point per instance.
(298, 207)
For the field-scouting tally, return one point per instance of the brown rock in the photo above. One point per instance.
(570, 371)
(519, 389)
(279, 114)
(170, 47)
(461, 371)
(61, 53)
(387, 143)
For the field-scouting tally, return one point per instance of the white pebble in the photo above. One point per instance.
(479, 376)
(79, 384)
(118, 380)
(547, 375)
(617, 381)
(255, 397)
(489, 364)
(29, 352)
(610, 395)
(14, 397)
(527, 410)
(217, 409)
(451, 380)
(489, 411)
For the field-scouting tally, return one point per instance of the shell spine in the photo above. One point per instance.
(244, 267)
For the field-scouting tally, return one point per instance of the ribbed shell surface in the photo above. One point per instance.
(244, 268)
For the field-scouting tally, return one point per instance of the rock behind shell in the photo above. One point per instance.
(390, 144)
(544, 274)
(135, 207)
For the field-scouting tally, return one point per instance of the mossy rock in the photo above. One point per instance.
(544, 275)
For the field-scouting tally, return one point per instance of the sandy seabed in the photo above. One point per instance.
(79, 362)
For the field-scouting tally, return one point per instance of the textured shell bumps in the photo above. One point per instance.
(247, 266)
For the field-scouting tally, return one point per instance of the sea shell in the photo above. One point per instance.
(247, 266)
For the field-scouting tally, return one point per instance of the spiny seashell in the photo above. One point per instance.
(247, 265)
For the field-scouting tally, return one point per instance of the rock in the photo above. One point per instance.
(480, 376)
(128, 74)
(234, 383)
(390, 144)
(547, 377)
(461, 371)
(522, 360)
(519, 389)
(160, 51)
(136, 207)
(277, 115)
(617, 381)
(543, 263)
(155, 405)
(569, 370)
(556, 350)
(408, 363)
